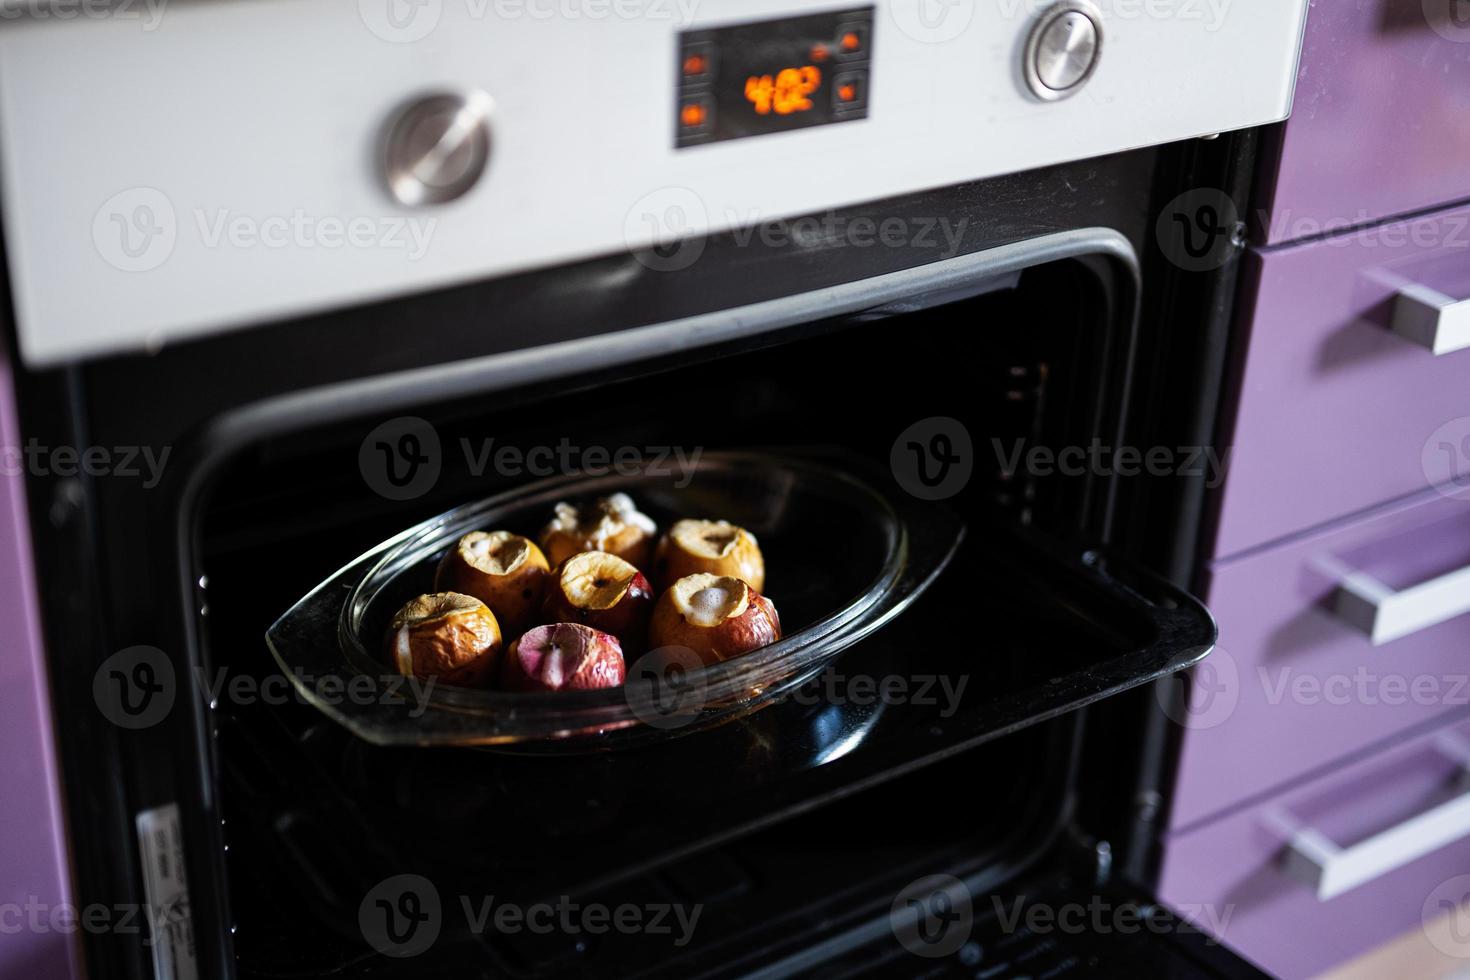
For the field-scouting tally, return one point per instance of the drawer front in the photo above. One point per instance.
(1341, 406)
(1378, 126)
(1399, 820)
(1328, 645)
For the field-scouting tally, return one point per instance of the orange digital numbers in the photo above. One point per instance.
(760, 91)
(787, 92)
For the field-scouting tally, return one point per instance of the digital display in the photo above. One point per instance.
(773, 75)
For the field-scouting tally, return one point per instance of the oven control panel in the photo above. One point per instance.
(773, 76)
(172, 171)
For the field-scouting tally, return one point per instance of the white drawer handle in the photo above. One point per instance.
(1385, 614)
(1432, 319)
(1317, 861)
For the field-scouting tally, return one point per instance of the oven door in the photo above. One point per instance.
(1024, 609)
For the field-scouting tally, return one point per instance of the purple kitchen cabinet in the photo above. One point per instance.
(1297, 683)
(37, 922)
(1378, 125)
(1336, 412)
(1316, 876)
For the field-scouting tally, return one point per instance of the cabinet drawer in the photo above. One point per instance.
(1318, 875)
(1378, 124)
(1328, 645)
(1341, 402)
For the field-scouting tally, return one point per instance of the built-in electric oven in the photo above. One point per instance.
(953, 291)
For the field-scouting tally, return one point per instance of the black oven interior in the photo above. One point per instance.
(748, 819)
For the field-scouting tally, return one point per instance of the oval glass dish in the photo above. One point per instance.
(842, 559)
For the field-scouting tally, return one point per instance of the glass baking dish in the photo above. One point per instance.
(842, 559)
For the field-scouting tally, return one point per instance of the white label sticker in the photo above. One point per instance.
(161, 845)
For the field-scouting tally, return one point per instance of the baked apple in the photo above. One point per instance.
(563, 657)
(716, 616)
(604, 592)
(715, 547)
(505, 571)
(448, 636)
(613, 524)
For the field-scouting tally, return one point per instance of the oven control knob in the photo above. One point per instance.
(438, 146)
(1063, 50)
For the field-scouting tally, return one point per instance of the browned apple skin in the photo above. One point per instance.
(460, 647)
(626, 620)
(632, 544)
(745, 562)
(515, 598)
(600, 664)
(757, 627)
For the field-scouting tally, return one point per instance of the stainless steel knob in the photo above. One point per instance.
(1063, 49)
(437, 147)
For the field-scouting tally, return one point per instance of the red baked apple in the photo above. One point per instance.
(716, 616)
(505, 571)
(715, 547)
(563, 657)
(449, 636)
(613, 524)
(604, 592)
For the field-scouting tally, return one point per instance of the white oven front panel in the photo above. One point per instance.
(174, 168)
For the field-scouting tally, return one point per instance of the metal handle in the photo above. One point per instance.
(1432, 319)
(1312, 857)
(1386, 614)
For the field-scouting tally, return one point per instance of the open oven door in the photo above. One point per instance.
(946, 742)
(960, 781)
(944, 739)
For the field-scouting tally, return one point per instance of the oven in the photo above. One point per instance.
(949, 302)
